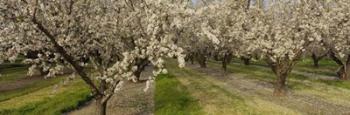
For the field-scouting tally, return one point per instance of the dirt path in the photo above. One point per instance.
(20, 83)
(259, 94)
(130, 100)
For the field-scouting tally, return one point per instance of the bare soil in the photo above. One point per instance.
(20, 83)
(130, 100)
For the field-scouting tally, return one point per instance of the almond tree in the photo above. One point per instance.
(113, 35)
(336, 36)
(282, 33)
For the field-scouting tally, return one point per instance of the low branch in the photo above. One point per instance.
(79, 69)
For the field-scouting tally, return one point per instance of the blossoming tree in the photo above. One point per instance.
(336, 35)
(116, 37)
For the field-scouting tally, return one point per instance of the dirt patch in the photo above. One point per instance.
(130, 100)
(20, 83)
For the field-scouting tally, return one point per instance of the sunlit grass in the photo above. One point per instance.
(47, 101)
(217, 98)
(172, 98)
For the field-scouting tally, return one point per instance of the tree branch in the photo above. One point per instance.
(79, 69)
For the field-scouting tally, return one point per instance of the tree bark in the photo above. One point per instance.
(226, 59)
(281, 68)
(79, 69)
(101, 106)
(315, 60)
(201, 60)
(280, 86)
(245, 60)
(141, 65)
(344, 71)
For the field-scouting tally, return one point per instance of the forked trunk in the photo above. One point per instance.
(281, 70)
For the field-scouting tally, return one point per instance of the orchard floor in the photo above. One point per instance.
(241, 90)
(132, 99)
(220, 92)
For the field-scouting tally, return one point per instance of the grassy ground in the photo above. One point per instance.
(12, 72)
(33, 96)
(242, 90)
(248, 90)
(327, 68)
(172, 98)
(51, 100)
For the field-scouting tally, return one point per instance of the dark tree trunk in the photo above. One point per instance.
(216, 57)
(245, 60)
(344, 71)
(226, 60)
(224, 65)
(315, 60)
(141, 65)
(202, 60)
(190, 58)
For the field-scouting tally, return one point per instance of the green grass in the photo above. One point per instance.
(5, 95)
(37, 98)
(267, 75)
(326, 66)
(337, 83)
(46, 102)
(172, 98)
(263, 75)
(12, 74)
(217, 97)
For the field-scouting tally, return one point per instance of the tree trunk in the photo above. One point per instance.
(246, 60)
(141, 65)
(201, 60)
(216, 57)
(191, 60)
(202, 63)
(344, 71)
(226, 59)
(101, 106)
(224, 64)
(315, 60)
(281, 70)
(280, 86)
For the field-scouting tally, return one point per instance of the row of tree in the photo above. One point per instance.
(280, 33)
(118, 38)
